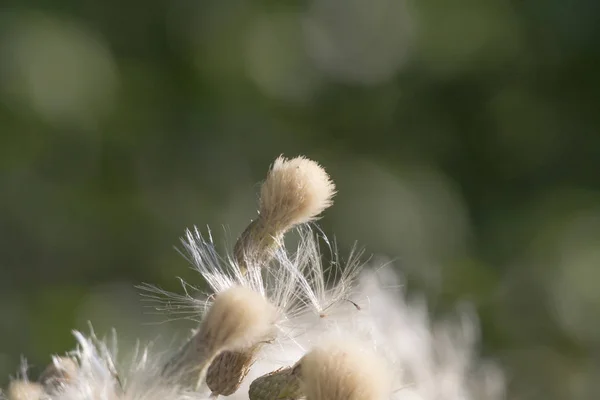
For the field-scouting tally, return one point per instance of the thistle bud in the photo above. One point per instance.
(238, 318)
(296, 191)
(342, 370)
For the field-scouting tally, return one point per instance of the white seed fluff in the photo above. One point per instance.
(344, 369)
(239, 317)
(296, 191)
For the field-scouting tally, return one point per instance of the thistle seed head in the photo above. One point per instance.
(344, 370)
(246, 318)
(296, 191)
(238, 318)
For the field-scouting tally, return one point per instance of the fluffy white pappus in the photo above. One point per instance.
(325, 284)
(434, 360)
(426, 359)
(296, 191)
(342, 368)
(221, 273)
(300, 284)
(101, 377)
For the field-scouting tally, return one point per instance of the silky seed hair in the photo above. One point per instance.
(304, 284)
(324, 281)
(305, 288)
(100, 376)
(220, 273)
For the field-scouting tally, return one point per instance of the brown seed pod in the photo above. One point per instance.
(282, 384)
(229, 369)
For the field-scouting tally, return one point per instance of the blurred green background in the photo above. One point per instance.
(462, 135)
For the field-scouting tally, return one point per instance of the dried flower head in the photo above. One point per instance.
(295, 192)
(343, 369)
(238, 318)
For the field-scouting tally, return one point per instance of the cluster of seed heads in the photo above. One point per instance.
(273, 326)
(241, 317)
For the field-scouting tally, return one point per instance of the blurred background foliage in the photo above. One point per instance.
(463, 136)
